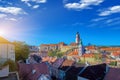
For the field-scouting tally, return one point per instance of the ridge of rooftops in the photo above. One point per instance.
(69, 67)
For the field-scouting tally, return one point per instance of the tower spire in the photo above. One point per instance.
(77, 40)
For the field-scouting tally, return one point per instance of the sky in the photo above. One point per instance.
(53, 21)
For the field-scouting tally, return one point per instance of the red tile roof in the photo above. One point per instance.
(49, 59)
(75, 52)
(95, 72)
(91, 47)
(113, 74)
(58, 63)
(25, 70)
(68, 63)
(49, 44)
(88, 55)
(62, 43)
(116, 53)
(111, 49)
(73, 44)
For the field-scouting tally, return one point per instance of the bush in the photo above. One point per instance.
(12, 65)
(54, 53)
(114, 63)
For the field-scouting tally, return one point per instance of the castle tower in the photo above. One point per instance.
(80, 48)
(77, 38)
(80, 45)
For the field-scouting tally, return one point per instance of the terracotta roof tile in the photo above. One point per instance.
(58, 63)
(73, 53)
(111, 49)
(95, 72)
(91, 47)
(73, 44)
(66, 64)
(49, 44)
(113, 74)
(25, 70)
(116, 53)
(88, 55)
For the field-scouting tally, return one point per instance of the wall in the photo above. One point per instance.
(7, 51)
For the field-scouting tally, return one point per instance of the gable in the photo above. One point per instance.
(3, 40)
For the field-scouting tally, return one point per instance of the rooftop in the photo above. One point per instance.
(3, 40)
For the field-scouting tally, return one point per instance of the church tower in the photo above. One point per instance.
(80, 45)
(77, 38)
(80, 48)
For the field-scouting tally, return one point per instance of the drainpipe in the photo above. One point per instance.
(7, 51)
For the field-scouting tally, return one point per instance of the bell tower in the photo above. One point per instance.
(77, 40)
(80, 45)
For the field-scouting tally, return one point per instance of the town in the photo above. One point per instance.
(74, 61)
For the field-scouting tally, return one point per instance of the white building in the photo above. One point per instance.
(7, 50)
(34, 49)
(4, 72)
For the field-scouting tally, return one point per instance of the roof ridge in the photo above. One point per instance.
(3, 40)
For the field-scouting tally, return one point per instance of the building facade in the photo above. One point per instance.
(7, 50)
(34, 49)
(64, 47)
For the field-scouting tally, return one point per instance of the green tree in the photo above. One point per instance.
(113, 63)
(51, 53)
(54, 53)
(97, 57)
(12, 65)
(21, 50)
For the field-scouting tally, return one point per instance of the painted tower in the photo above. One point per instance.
(80, 45)
(77, 38)
(80, 48)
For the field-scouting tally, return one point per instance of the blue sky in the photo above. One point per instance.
(54, 21)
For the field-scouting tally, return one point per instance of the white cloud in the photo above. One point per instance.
(113, 20)
(3, 15)
(25, 0)
(6, 2)
(98, 19)
(83, 4)
(39, 1)
(12, 10)
(35, 6)
(9, 3)
(114, 23)
(35, 1)
(28, 4)
(11, 19)
(111, 10)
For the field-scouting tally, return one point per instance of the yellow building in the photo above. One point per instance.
(7, 50)
(62, 46)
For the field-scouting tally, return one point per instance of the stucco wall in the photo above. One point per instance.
(7, 51)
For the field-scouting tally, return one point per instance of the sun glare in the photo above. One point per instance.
(2, 33)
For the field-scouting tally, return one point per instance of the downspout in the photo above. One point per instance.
(7, 50)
